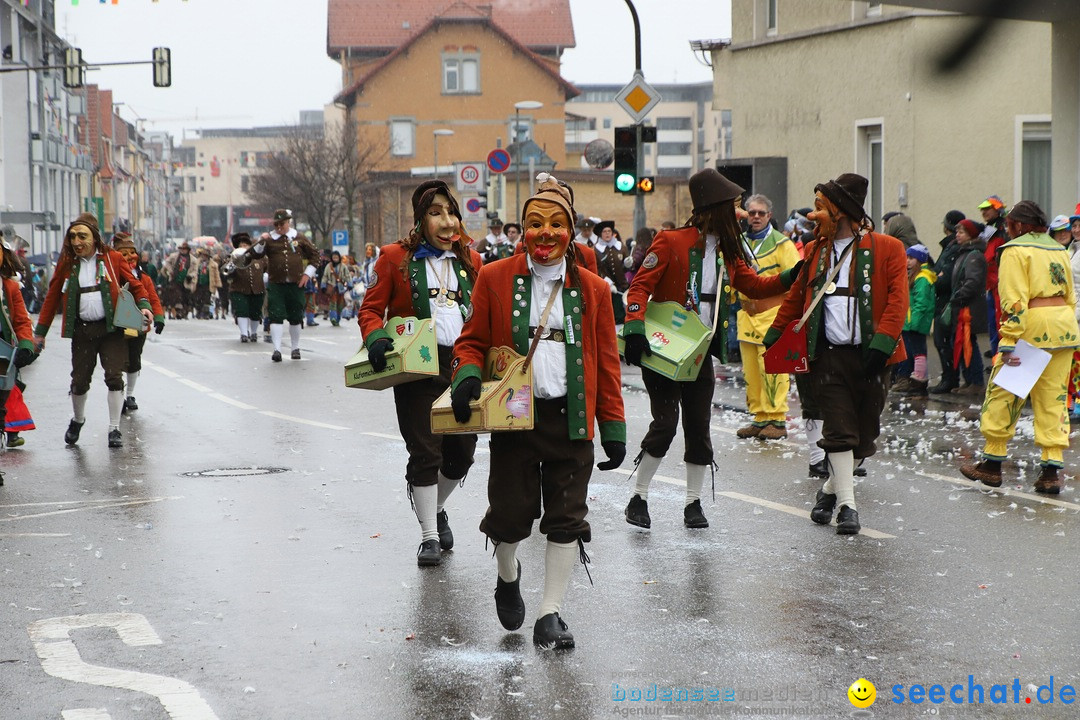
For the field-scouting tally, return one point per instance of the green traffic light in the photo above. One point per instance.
(625, 182)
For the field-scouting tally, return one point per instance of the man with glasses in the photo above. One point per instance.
(766, 394)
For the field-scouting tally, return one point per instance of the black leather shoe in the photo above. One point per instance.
(820, 469)
(276, 357)
(860, 469)
(847, 521)
(508, 602)
(693, 517)
(130, 404)
(446, 535)
(115, 439)
(428, 554)
(551, 632)
(822, 512)
(943, 388)
(637, 512)
(72, 435)
(296, 354)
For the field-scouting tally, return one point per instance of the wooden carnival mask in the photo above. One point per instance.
(547, 231)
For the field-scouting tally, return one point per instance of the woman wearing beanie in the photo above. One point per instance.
(544, 472)
(429, 274)
(912, 371)
(85, 289)
(1038, 302)
(965, 315)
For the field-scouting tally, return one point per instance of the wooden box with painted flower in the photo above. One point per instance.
(678, 339)
(415, 356)
(506, 398)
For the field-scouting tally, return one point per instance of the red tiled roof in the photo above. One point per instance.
(348, 93)
(388, 24)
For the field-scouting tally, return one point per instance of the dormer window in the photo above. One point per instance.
(461, 74)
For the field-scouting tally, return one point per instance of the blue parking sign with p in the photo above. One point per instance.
(339, 238)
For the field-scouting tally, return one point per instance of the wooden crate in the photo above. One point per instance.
(678, 339)
(415, 356)
(506, 398)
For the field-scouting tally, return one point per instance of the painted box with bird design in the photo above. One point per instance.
(415, 356)
(506, 398)
(678, 339)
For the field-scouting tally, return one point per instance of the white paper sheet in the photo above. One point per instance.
(1019, 379)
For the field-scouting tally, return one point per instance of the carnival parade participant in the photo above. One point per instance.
(175, 291)
(686, 266)
(610, 254)
(16, 331)
(497, 247)
(85, 289)
(766, 393)
(429, 274)
(335, 281)
(247, 291)
(544, 472)
(291, 260)
(1038, 304)
(853, 336)
(136, 340)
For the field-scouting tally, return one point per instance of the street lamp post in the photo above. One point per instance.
(437, 134)
(518, 107)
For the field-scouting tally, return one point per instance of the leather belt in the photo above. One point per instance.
(708, 297)
(554, 334)
(756, 307)
(90, 289)
(1046, 301)
(450, 294)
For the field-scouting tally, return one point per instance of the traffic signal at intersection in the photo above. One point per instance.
(626, 159)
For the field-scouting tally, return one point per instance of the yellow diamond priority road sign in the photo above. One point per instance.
(638, 98)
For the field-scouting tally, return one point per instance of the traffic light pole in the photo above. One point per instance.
(639, 199)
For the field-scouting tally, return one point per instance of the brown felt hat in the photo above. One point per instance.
(282, 215)
(123, 240)
(848, 193)
(89, 221)
(550, 188)
(1028, 212)
(709, 188)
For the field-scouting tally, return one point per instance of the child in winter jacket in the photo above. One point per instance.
(912, 374)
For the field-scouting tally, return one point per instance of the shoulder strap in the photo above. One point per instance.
(542, 325)
(833, 271)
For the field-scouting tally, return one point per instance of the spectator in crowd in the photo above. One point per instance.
(950, 379)
(994, 235)
(901, 227)
(912, 372)
(965, 314)
(1038, 305)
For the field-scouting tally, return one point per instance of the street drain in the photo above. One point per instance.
(235, 472)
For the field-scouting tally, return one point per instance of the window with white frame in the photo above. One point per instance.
(873, 8)
(1034, 161)
(460, 74)
(771, 17)
(402, 137)
(870, 163)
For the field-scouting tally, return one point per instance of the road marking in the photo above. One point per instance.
(1000, 490)
(157, 368)
(799, 512)
(244, 352)
(324, 342)
(290, 418)
(92, 505)
(194, 385)
(86, 714)
(234, 403)
(60, 658)
(382, 435)
(39, 535)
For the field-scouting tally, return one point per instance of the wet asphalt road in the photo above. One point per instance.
(132, 588)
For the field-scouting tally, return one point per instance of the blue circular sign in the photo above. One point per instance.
(498, 160)
(472, 205)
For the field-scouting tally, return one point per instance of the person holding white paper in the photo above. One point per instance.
(1035, 285)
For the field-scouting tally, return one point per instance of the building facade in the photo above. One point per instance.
(822, 87)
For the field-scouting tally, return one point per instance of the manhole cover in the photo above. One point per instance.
(235, 472)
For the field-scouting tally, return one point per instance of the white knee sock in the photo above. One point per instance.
(276, 331)
(294, 336)
(129, 387)
(424, 500)
(842, 478)
(695, 478)
(559, 561)
(446, 486)
(242, 323)
(506, 556)
(646, 469)
(116, 404)
(813, 434)
(78, 408)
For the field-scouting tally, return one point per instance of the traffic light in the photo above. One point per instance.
(646, 184)
(626, 160)
(162, 67)
(483, 197)
(74, 72)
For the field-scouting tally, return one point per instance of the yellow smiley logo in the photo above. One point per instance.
(862, 693)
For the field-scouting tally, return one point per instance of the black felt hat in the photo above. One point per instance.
(848, 193)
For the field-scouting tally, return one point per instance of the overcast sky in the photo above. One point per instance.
(239, 63)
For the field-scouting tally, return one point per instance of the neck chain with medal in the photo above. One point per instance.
(443, 299)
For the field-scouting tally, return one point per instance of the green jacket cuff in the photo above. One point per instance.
(633, 327)
(613, 430)
(1002, 347)
(143, 304)
(463, 372)
(379, 334)
(159, 318)
(41, 330)
(883, 343)
(787, 277)
(772, 336)
(26, 344)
